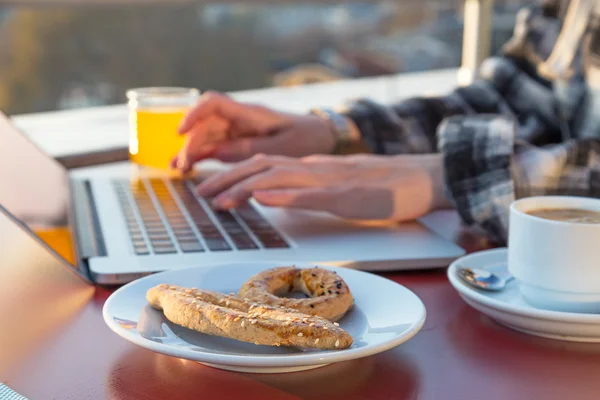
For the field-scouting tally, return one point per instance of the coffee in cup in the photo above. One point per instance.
(554, 252)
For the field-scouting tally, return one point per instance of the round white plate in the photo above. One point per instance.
(510, 309)
(385, 315)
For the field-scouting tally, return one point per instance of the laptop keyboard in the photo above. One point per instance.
(166, 217)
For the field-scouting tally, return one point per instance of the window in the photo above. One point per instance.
(67, 56)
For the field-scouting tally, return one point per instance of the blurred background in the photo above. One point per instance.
(55, 56)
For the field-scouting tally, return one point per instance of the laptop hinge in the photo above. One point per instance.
(88, 234)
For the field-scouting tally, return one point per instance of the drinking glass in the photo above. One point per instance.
(154, 116)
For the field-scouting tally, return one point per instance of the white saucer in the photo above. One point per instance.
(385, 315)
(508, 307)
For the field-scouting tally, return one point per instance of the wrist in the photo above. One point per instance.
(439, 193)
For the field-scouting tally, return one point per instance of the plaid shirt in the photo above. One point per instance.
(512, 133)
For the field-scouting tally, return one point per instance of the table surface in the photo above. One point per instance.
(459, 354)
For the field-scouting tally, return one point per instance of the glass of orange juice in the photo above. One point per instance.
(154, 116)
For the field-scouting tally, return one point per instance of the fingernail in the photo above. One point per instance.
(221, 201)
(182, 163)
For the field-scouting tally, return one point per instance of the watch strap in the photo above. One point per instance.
(340, 127)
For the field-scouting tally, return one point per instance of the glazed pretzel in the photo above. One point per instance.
(223, 315)
(329, 296)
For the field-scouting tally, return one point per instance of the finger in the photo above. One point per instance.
(317, 199)
(274, 178)
(210, 103)
(224, 180)
(186, 164)
(325, 159)
(200, 141)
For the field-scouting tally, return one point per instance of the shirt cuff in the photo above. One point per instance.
(477, 155)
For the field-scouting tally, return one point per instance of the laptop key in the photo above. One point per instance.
(140, 242)
(165, 250)
(246, 246)
(156, 243)
(217, 244)
(159, 237)
(191, 247)
(141, 251)
(244, 243)
(187, 238)
(275, 244)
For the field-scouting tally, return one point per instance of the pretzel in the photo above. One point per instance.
(227, 316)
(329, 296)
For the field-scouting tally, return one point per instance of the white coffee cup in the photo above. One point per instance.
(556, 263)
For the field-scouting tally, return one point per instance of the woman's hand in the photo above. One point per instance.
(397, 188)
(219, 127)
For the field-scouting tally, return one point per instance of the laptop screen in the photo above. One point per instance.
(33, 186)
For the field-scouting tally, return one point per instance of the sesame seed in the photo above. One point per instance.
(253, 321)
(316, 340)
(326, 328)
(300, 334)
(311, 324)
(304, 319)
(336, 324)
(288, 323)
(227, 303)
(277, 344)
(236, 319)
(221, 301)
(337, 343)
(243, 323)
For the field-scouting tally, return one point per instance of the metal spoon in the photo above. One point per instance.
(482, 279)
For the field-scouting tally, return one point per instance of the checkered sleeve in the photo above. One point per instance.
(486, 168)
(477, 153)
(409, 126)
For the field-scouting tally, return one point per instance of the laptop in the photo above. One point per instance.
(127, 222)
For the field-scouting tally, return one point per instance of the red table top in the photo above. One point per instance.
(459, 354)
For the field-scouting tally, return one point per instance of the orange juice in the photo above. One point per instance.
(154, 140)
(154, 116)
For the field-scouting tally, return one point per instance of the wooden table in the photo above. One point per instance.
(459, 354)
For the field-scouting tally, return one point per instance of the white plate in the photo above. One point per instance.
(508, 307)
(385, 315)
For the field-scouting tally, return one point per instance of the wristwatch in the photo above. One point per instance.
(340, 127)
